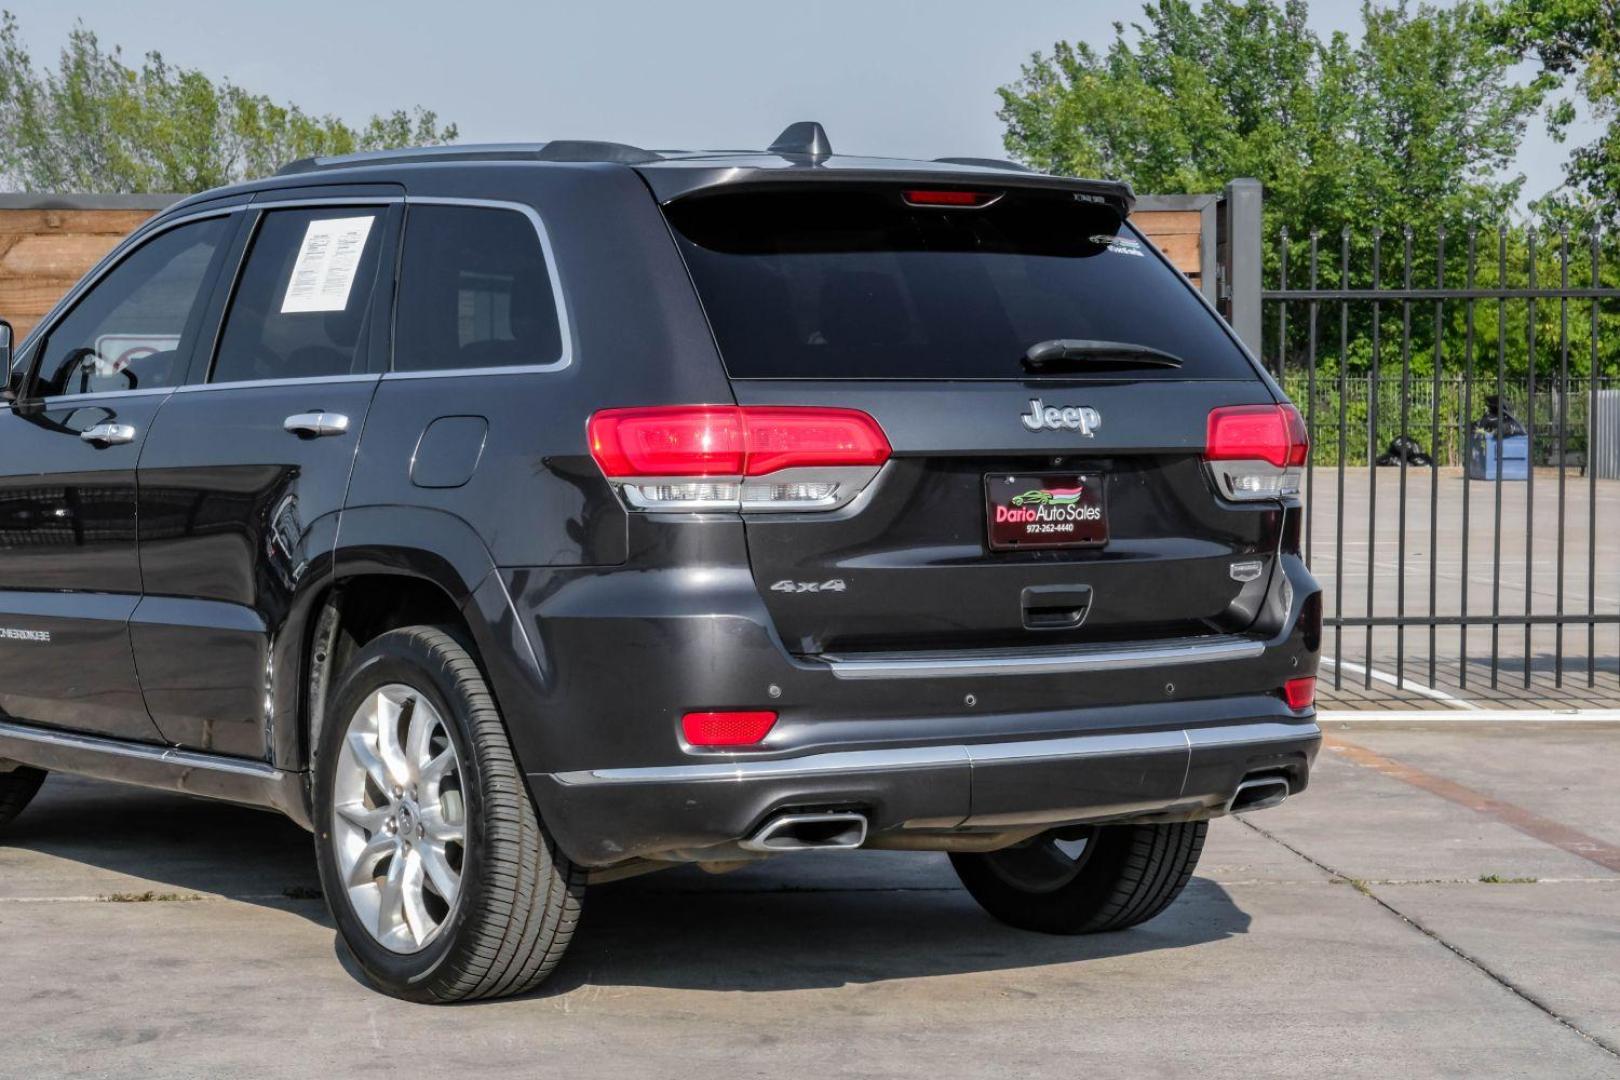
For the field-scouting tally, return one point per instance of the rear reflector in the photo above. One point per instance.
(970, 199)
(726, 728)
(728, 440)
(1300, 693)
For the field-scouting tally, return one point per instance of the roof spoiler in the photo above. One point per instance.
(668, 184)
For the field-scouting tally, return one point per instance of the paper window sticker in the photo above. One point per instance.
(323, 275)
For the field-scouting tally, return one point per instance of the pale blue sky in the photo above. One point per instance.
(913, 78)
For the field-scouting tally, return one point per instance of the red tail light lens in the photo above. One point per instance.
(727, 440)
(929, 197)
(1274, 434)
(1300, 693)
(741, 728)
(795, 438)
(696, 440)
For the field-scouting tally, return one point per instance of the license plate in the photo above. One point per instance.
(1045, 511)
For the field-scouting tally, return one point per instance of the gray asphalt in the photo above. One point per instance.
(1347, 933)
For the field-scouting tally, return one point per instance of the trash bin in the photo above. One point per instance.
(1498, 424)
(1482, 457)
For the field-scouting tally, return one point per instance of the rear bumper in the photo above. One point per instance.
(700, 809)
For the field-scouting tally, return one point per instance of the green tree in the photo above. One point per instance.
(1579, 40)
(1413, 124)
(94, 123)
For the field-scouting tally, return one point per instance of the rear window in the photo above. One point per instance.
(857, 284)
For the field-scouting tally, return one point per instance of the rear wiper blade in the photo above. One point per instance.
(1075, 352)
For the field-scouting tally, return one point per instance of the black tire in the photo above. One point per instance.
(1124, 875)
(17, 789)
(519, 898)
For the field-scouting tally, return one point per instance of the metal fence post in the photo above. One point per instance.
(1241, 259)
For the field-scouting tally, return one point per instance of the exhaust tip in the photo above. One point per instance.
(1258, 794)
(832, 831)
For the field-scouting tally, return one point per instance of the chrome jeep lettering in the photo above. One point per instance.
(1081, 418)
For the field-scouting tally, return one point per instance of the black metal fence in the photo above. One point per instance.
(1409, 352)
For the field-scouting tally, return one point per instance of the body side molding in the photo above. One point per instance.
(237, 780)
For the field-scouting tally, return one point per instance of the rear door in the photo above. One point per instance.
(69, 576)
(246, 469)
(1023, 505)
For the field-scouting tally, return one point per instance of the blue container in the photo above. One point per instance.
(1482, 457)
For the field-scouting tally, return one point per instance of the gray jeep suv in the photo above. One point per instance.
(517, 517)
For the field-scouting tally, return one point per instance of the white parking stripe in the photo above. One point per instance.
(1403, 684)
(1469, 716)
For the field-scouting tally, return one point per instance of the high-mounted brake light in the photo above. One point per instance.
(1256, 451)
(961, 199)
(732, 728)
(813, 458)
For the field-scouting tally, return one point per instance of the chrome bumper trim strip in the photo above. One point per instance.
(925, 757)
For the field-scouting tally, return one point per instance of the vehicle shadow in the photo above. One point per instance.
(824, 921)
(137, 840)
(793, 923)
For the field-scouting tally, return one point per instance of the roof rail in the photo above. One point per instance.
(984, 163)
(556, 150)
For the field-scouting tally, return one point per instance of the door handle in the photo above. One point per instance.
(315, 424)
(108, 434)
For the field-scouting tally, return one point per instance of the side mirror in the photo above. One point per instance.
(13, 381)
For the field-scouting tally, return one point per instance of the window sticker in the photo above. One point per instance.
(324, 273)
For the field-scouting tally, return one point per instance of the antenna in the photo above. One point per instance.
(803, 139)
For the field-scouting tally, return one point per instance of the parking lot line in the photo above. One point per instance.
(1450, 700)
(1528, 822)
(1469, 716)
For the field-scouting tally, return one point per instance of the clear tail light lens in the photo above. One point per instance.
(1256, 451)
(729, 457)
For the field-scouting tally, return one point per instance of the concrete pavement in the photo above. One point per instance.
(1346, 933)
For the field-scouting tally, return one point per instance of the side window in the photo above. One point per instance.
(301, 305)
(474, 292)
(128, 331)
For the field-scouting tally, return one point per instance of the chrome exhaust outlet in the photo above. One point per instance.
(842, 830)
(1258, 794)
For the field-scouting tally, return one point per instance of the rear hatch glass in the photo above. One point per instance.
(854, 283)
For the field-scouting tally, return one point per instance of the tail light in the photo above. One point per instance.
(741, 728)
(1256, 451)
(1300, 693)
(729, 457)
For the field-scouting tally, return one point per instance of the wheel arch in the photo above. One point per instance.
(398, 566)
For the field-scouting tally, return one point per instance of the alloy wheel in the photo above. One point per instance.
(399, 824)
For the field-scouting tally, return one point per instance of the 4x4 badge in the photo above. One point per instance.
(831, 585)
(1081, 418)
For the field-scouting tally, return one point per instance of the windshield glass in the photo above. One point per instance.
(845, 283)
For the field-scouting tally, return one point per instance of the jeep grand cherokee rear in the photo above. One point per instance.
(993, 552)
